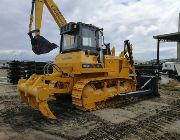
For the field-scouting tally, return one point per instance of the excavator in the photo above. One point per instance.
(86, 68)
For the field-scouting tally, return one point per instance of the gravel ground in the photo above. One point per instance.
(144, 118)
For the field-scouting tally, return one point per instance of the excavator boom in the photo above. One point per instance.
(40, 45)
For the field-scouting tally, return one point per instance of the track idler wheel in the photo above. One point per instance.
(88, 97)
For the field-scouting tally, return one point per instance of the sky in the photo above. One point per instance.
(136, 20)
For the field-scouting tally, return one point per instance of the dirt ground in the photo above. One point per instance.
(144, 118)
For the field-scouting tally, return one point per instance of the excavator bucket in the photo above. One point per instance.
(35, 93)
(40, 45)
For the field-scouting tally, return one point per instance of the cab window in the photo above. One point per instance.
(88, 37)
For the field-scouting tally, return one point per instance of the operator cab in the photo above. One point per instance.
(81, 37)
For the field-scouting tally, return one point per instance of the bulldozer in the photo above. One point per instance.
(86, 68)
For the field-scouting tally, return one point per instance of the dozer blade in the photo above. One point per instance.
(40, 45)
(35, 94)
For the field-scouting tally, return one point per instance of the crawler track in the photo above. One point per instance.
(77, 96)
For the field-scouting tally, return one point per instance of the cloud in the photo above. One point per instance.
(137, 20)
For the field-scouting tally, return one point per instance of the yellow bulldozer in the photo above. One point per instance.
(85, 68)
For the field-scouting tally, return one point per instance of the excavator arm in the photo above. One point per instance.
(40, 45)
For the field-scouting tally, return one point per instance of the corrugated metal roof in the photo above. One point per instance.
(171, 37)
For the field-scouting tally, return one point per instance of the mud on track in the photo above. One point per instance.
(145, 118)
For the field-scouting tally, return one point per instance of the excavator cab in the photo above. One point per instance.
(81, 37)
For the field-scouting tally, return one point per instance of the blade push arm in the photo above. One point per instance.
(40, 45)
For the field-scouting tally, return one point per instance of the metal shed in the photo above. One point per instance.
(172, 37)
